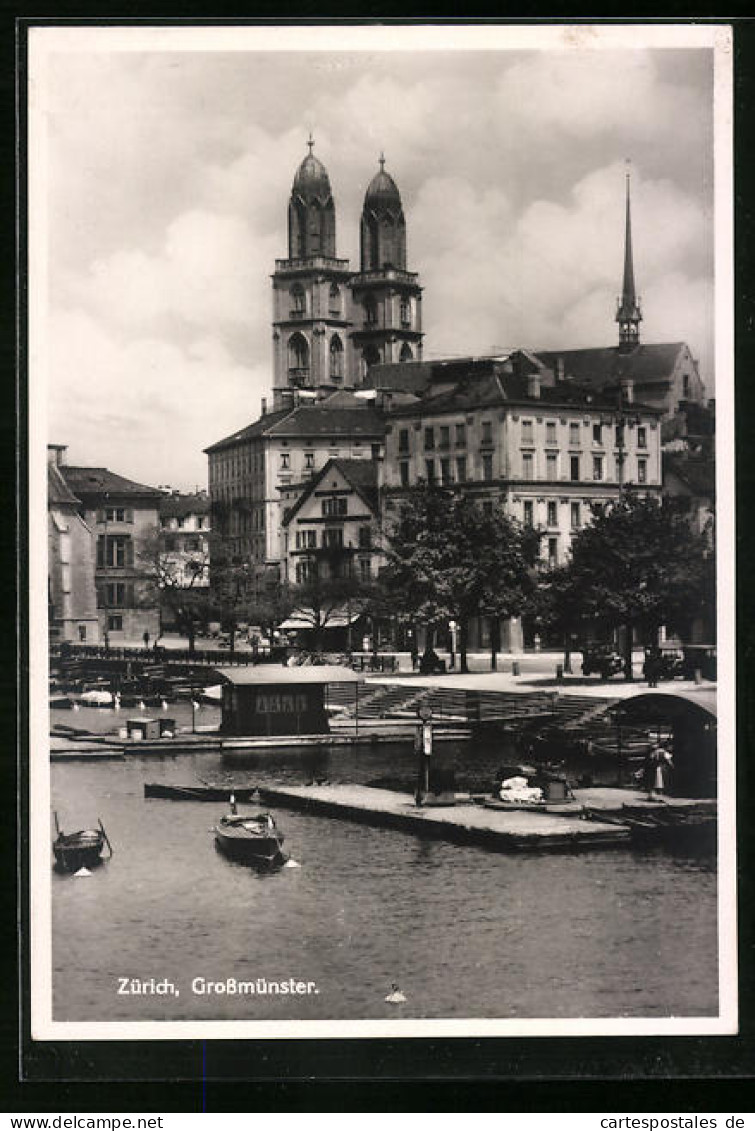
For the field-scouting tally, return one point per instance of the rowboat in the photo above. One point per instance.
(197, 792)
(82, 849)
(249, 839)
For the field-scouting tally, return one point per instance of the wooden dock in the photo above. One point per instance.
(465, 822)
(109, 746)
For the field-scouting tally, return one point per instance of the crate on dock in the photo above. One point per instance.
(144, 729)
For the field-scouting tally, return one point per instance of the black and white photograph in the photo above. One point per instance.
(382, 548)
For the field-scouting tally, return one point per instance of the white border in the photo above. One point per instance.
(43, 41)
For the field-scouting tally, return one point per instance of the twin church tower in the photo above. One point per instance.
(329, 323)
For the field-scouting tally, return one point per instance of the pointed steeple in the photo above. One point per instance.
(628, 313)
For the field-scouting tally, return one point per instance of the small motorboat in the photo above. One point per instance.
(251, 839)
(198, 792)
(82, 849)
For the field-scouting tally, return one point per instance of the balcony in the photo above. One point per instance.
(312, 262)
(394, 274)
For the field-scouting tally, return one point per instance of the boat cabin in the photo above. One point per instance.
(268, 700)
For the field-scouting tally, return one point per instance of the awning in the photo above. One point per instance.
(304, 620)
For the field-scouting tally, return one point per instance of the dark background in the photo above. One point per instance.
(682, 1074)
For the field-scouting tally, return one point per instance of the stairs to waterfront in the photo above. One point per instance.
(572, 712)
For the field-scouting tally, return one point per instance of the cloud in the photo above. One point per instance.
(550, 275)
(168, 195)
(148, 407)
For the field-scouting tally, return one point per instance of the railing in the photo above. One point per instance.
(393, 273)
(312, 261)
(214, 657)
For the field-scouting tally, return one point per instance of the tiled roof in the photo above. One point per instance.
(58, 490)
(180, 506)
(362, 474)
(319, 420)
(341, 414)
(98, 481)
(647, 364)
(491, 390)
(698, 475)
(416, 376)
(258, 427)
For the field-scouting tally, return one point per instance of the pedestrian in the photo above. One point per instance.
(660, 764)
(415, 657)
(145, 638)
(652, 667)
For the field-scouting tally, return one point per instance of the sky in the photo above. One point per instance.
(167, 175)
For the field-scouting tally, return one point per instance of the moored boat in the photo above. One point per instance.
(197, 792)
(251, 839)
(82, 849)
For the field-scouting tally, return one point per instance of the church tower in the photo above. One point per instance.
(628, 313)
(312, 314)
(387, 297)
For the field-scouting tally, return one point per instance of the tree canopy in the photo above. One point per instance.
(638, 565)
(448, 559)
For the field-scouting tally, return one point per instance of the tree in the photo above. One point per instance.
(323, 601)
(637, 566)
(180, 581)
(450, 560)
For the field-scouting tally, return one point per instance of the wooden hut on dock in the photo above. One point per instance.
(269, 700)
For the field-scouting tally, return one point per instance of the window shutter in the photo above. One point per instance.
(101, 550)
(129, 515)
(129, 557)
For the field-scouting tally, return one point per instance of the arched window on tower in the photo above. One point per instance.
(298, 301)
(406, 353)
(298, 360)
(370, 357)
(388, 242)
(373, 244)
(370, 310)
(314, 229)
(334, 300)
(406, 313)
(300, 230)
(336, 359)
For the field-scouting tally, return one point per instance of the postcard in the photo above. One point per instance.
(377, 516)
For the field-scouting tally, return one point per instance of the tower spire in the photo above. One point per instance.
(628, 313)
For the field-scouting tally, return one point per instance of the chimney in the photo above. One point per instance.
(264, 406)
(559, 369)
(627, 390)
(533, 385)
(56, 454)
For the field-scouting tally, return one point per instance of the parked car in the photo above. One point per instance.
(602, 659)
(663, 662)
(700, 658)
(430, 663)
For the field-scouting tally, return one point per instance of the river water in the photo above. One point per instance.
(466, 932)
